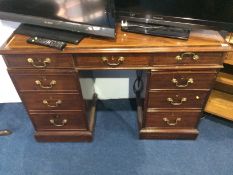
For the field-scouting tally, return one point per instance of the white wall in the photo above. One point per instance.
(108, 84)
(7, 90)
(114, 84)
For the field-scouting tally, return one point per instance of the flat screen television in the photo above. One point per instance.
(95, 17)
(213, 14)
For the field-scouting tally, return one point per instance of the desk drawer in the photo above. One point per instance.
(37, 61)
(174, 119)
(179, 59)
(59, 121)
(112, 61)
(52, 101)
(44, 81)
(182, 80)
(177, 99)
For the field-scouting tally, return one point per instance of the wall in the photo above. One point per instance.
(108, 84)
(7, 90)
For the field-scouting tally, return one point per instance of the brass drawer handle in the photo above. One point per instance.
(57, 103)
(43, 64)
(119, 61)
(172, 102)
(58, 122)
(176, 82)
(171, 123)
(183, 55)
(50, 86)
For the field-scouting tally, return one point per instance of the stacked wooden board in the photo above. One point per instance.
(220, 102)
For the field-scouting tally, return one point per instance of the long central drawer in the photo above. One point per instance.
(112, 61)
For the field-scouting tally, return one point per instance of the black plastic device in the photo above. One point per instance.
(50, 33)
(156, 30)
(60, 45)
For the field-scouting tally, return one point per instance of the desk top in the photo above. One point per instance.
(200, 40)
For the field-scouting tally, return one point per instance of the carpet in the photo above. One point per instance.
(116, 149)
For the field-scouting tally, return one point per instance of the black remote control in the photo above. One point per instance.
(47, 42)
(156, 30)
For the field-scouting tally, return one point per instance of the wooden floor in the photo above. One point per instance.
(220, 102)
(224, 82)
(229, 58)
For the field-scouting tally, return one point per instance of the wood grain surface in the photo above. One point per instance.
(200, 40)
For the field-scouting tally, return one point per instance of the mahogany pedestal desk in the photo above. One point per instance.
(178, 74)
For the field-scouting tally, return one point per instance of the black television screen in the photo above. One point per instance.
(85, 16)
(217, 14)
